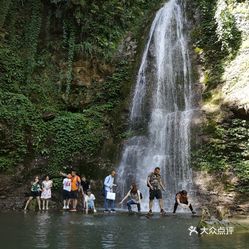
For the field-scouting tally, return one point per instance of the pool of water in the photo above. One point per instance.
(75, 231)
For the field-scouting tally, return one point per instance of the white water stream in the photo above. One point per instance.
(161, 109)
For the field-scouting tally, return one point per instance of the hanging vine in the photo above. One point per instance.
(31, 37)
(5, 5)
(71, 45)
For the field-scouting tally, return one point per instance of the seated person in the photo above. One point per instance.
(182, 200)
(89, 201)
(135, 198)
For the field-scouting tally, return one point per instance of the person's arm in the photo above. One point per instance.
(178, 199)
(39, 187)
(148, 183)
(163, 188)
(79, 184)
(81, 190)
(125, 197)
(107, 182)
(62, 174)
(139, 199)
(93, 197)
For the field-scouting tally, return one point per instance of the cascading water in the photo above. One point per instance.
(161, 110)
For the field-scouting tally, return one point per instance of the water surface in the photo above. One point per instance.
(75, 231)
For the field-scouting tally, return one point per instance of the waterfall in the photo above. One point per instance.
(161, 110)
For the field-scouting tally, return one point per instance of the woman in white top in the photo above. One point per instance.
(135, 198)
(46, 192)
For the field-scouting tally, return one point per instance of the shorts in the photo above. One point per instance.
(66, 194)
(155, 193)
(74, 194)
(35, 194)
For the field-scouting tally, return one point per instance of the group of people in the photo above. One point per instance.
(40, 192)
(73, 186)
(155, 185)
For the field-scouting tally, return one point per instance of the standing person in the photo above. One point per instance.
(89, 201)
(154, 182)
(182, 200)
(85, 185)
(135, 198)
(108, 187)
(35, 193)
(75, 188)
(46, 192)
(66, 191)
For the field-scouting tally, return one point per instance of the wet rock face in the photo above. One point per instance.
(128, 48)
(212, 195)
(85, 72)
(236, 76)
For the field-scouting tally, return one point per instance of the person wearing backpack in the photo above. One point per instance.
(108, 188)
(135, 198)
(154, 182)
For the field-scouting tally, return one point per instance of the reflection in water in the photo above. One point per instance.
(77, 231)
(42, 229)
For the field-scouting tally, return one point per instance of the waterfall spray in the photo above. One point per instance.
(161, 107)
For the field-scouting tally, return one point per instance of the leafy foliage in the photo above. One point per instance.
(38, 48)
(228, 148)
(100, 30)
(216, 38)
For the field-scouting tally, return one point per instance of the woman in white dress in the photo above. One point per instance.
(46, 192)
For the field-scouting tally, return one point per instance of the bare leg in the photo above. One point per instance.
(94, 209)
(68, 202)
(27, 203)
(75, 201)
(161, 203)
(47, 201)
(65, 203)
(43, 204)
(150, 204)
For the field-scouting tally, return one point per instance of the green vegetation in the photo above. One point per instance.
(47, 120)
(217, 40)
(227, 149)
(65, 78)
(217, 36)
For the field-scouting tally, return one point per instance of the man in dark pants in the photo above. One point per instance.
(154, 182)
(182, 200)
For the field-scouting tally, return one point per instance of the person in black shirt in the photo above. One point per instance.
(85, 185)
(182, 200)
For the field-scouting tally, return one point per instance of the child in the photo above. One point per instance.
(67, 183)
(46, 192)
(35, 193)
(89, 201)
